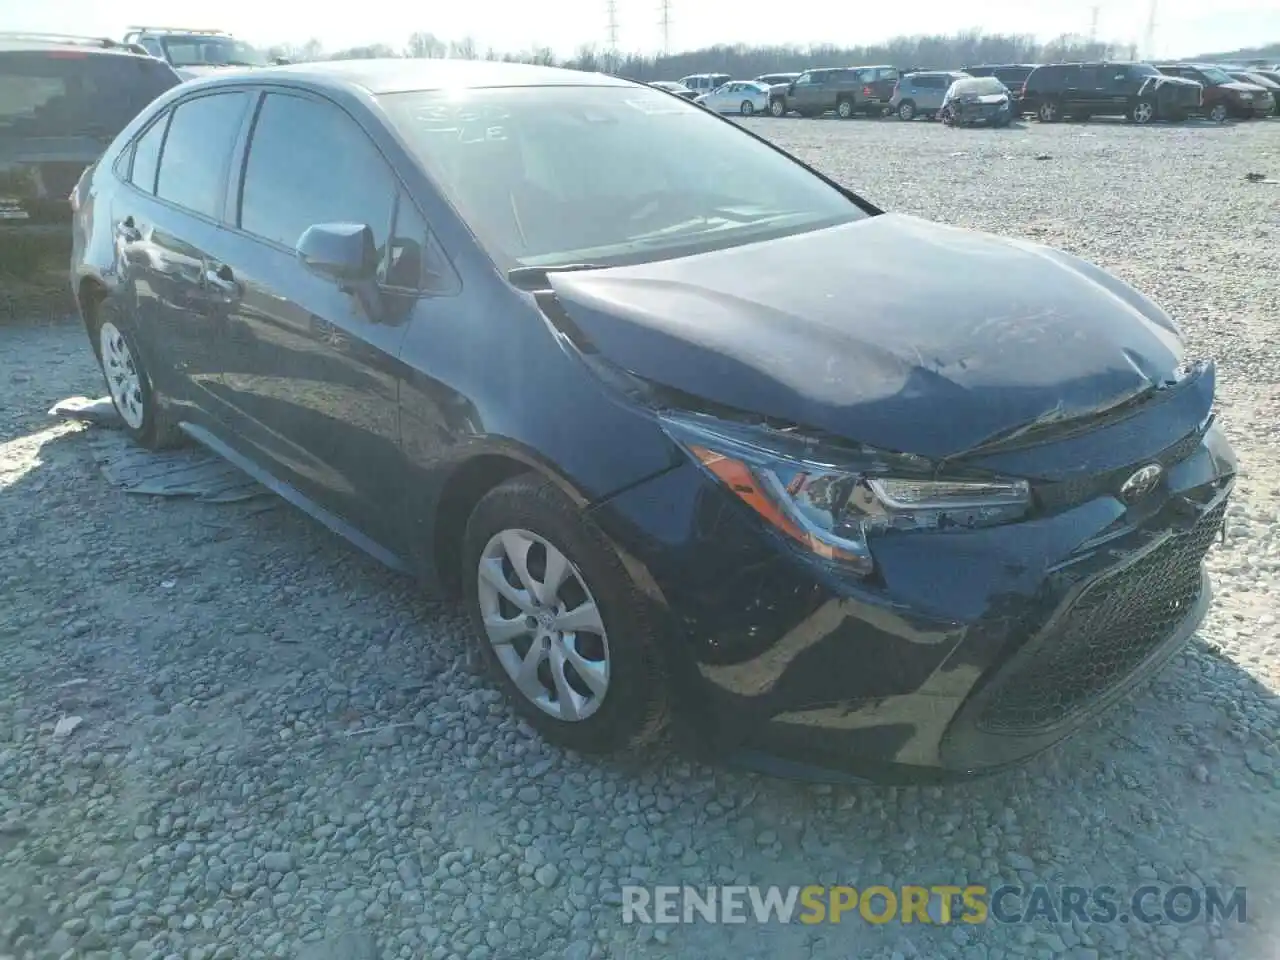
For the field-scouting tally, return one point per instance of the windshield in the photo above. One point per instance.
(194, 51)
(547, 176)
(977, 86)
(1214, 75)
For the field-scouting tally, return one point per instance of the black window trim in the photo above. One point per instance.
(240, 165)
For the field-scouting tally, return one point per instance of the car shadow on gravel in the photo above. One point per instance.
(231, 662)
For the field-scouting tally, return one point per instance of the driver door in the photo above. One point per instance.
(312, 369)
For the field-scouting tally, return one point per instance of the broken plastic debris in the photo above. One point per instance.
(67, 726)
(168, 584)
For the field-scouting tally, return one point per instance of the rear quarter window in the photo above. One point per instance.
(76, 93)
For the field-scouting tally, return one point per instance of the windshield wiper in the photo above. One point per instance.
(537, 278)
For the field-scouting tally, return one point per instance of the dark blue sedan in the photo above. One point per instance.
(718, 442)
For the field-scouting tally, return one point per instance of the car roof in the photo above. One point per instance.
(402, 75)
(96, 45)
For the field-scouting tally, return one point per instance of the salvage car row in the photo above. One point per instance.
(1000, 93)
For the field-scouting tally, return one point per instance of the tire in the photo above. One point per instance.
(747, 108)
(906, 110)
(143, 414)
(1142, 112)
(1219, 113)
(947, 116)
(625, 705)
(844, 109)
(1049, 112)
(777, 108)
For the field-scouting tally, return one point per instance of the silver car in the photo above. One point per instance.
(921, 94)
(745, 97)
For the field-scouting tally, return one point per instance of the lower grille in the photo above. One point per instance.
(1113, 625)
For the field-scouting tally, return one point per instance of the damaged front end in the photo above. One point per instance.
(855, 589)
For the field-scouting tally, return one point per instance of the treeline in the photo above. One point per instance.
(937, 51)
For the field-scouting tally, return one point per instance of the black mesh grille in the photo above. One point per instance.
(1110, 629)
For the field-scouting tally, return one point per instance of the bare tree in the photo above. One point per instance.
(425, 45)
(464, 49)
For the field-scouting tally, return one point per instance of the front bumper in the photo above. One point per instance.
(966, 652)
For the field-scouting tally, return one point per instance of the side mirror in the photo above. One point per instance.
(342, 252)
(346, 254)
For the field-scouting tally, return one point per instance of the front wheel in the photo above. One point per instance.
(844, 109)
(747, 108)
(132, 391)
(561, 625)
(777, 108)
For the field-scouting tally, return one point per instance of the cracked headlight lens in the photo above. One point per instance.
(831, 500)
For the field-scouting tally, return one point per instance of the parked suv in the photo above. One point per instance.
(195, 52)
(877, 88)
(815, 92)
(921, 94)
(1136, 91)
(701, 83)
(1224, 96)
(64, 100)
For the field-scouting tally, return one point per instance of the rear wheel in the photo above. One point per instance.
(1142, 111)
(1219, 113)
(1049, 112)
(747, 108)
(132, 392)
(906, 110)
(561, 626)
(844, 109)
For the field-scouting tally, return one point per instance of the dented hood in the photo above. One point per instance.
(891, 331)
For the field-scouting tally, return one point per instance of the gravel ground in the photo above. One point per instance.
(283, 753)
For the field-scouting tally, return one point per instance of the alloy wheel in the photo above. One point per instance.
(123, 379)
(778, 108)
(1143, 112)
(906, 110)
(543, 624)
(1219, 113)
(748, 108)
(1048, 112)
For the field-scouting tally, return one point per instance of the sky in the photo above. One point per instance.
(1184, 27)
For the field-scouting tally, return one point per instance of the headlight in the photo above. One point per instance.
(831, 500)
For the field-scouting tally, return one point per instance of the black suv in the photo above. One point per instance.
(815, 92)
(1136, 91)
(65, 99)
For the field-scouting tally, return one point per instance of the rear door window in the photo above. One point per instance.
(197, 152)
(72, 93)
(146, 156)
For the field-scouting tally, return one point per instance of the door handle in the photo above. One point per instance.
(128, 230)
(221, 278)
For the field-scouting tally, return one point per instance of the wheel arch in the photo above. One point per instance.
(90, 292)
(464, 487)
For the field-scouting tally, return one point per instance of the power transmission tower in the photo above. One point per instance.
(1093, 24)
(1150, 43)
(611, 13)
(664, 22)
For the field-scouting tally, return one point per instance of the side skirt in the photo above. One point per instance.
(305, 504)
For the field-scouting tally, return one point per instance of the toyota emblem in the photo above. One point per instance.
(1142, 482)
